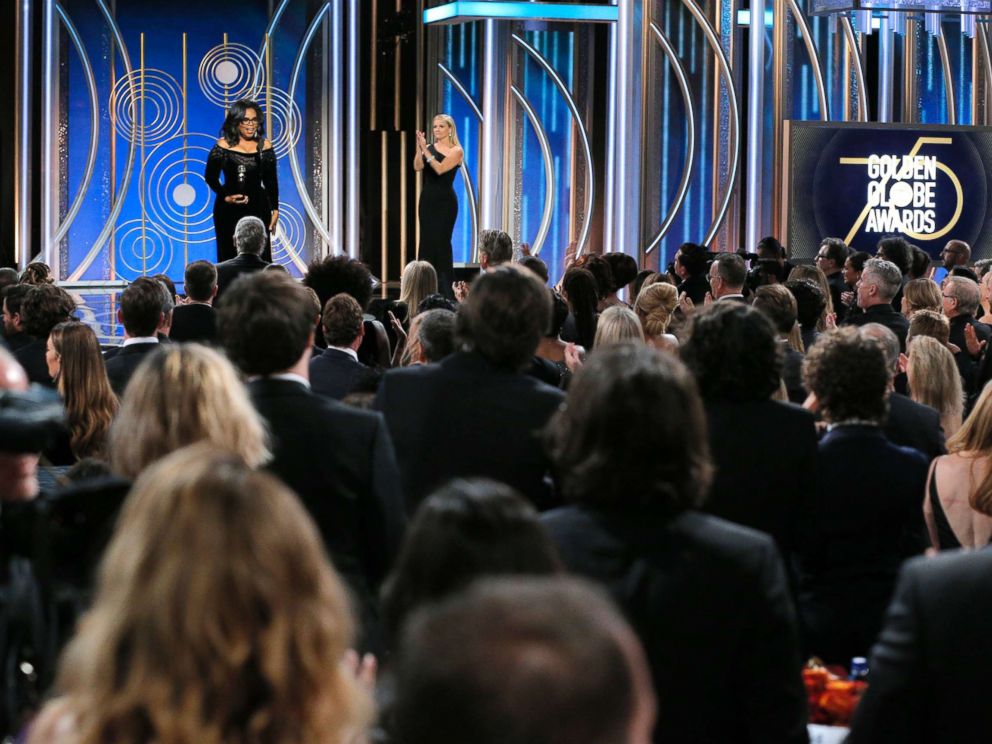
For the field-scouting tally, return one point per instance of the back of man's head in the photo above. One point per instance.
(44, 307)
(505, 315)
(200, 280)
(888, 340)
(8, 277)
(336, 274)
(849, 374)
(141, 306)
(342, 320)
(886, 275)
(536, 265)
(436, 334)
(13, 296)
(496, 246)
(897, 251)
(732, 270)
(522, 661)
(265, 321)
(249, 236)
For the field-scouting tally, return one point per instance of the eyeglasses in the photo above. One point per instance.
(822, 257)
(246, 120)
(948, 297)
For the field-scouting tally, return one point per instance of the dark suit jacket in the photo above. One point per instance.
(708, 600)
(967, 366)
(464, 418)
(837, 286)
(228, 271)
(340, 462)
(335, 374)
(912, 424)
(17, 341)
(792, 374)
(32, 357)
(864, 518)
(887, 316)
(695, 288)
(122, 364)
(194, 323)
(930, 668)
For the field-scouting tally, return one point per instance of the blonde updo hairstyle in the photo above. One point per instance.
(654, 307)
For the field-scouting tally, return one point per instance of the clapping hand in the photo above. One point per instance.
(971, 340)
(461, 291)
(574, 357)
(686, 303)
(422, 143)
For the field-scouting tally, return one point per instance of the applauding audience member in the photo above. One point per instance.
(934, 381)
(250, 237)
(655, 306)
(42, 308)
(779, 305)
(141, 314)
(197, 319)
(921, 294)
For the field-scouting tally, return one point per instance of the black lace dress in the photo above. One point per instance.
(252, 174)
(438, 211)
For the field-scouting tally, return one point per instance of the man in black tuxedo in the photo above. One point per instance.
(250, 237)
(960, 302)
(43, 308)
(338, 459)
(476, 414)
(13, 324)
(727, 276)
(929, 669)
(337, 371)
(880, 282)
(141, 314)
(197, 319)
(830, 260)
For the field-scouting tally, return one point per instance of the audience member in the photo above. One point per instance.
(727, 276)
(170, 286)
(337, 371)
(495, 249)
(43, 308)
(921, 294)
(18, 455)
(630, 448)
(960, 302)
(779, 305)
(37, 274)
(523, 661)
(863, 518)
(985, 299)
(436, 336)
(955, 253)
(691, 265)
(810, 308)
(602, 272)
(853, 267)
(13, 322)
(140, 313)
(830, 260)
(929, 323)
(964, 272)
(197, 319)
(880, 282)
(474, 412)
(536, 265)
(813, 274)
(618, 324)
(216, 618)
(921, 263)
(250, 236)
(934, 381)
(899, 252)
(578, 287)
(8, 277)
(623, 268)
(549, 359)
(641, 281)
(655, 306)
(168, 307)
(436, 302)
(419, 280)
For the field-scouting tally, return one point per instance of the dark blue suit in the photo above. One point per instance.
(334, 374)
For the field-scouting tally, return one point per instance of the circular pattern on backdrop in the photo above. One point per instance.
(177, 198)
(228, 73)
(149, 255)
(287, 120)
(162, 97)
(289, 237)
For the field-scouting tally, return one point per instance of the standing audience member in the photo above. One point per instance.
(813, 274)
(419, 280)
(8, 277)
(550, 352)
(863, 518)
(618, 324)
(18, 456)
(602, 272)
(337, 371)
(495, 249)
(921, 294)
(250, 238)
(216, 618)
(37, 274)
(432, 338)
(921, 263)
(13, 322)
(727, 277)
(810, 308)
(578, 287)
(655, 306)
(955, 253)
(880, 282)
(985, 296)
(778, 304)
(853, 267)
(197, 319)
(929, 323)
(691, 265)
(536, 265)
(475, 414)
(960, 302)
(141, 315)
(830, 260)
(899, 252)
(707, 598)
(624, 270)
(43, 308)
(934, 381)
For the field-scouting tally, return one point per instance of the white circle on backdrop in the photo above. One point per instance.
(226, 72)
(184, 195)
(901, 194)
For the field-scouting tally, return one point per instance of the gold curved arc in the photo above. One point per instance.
(959, 192)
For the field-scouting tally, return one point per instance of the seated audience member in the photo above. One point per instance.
(475, 414)
(830, 260)
(18, 463)
(810, 308)
(863, 518)
(618, 324)
(13, 322)
(929, 669)
(549, 359)
(921, 294)
(140, 313)
(623, 269)
(536, 265)
(463, 532)
(77, 369)
(37, 274)
(436, 302)
(691, 266)
(764, 450)
(964, 272)
(523, 661)
(854, 266)
(899, 252)
(728, 274)
(934, 381)
(249, 239)
(337, 371)
(767, 271)
(197, 319)
(817, 277)
(340, 274)
(216, 618)
(778, 304)
(769, 248)
(960, 301)
(909, 424)
(921, 263)
(578, 287)
(655, 306)
(169, 285)
(879, 283)
(419, 280)
(43, 308)
(958, 501)
(184, 394)
(929, 323)
(338, 459)
(630, 449)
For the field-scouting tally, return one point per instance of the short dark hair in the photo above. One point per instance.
(733, 351)
(45, 306)
(771, 244)
(896, 250)
(464, 531)
(778, 303)
(516, 661)
(504, 316)
(168, 283)
(436, 302)
(497, 245)
(921, 262)
(336, 274)
(964, 272)
(858, 260)
(693, 258)
(342, 320)
(810, 301)
(624, 269)
(769, 267)
(848, 374)
(436, 332)
(731, 268)
(14, 296)
(141, 305)
(200, 279)
(632, 433)
(536, 265)
(8, 277)
(837, 250)
(265, 320)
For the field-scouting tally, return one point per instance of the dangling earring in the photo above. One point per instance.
(451, 139)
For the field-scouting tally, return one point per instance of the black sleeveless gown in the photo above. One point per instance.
(438, 211)
(252, 174)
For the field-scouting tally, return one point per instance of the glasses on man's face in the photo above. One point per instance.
(822, 257)
(949, 297)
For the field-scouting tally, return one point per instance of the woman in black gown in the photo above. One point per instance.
(250, 187)
(438, 204)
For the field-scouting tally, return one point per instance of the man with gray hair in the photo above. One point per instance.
(727, 276)
(249, 238)
(880, 281)
(960, 302)
(495, 248)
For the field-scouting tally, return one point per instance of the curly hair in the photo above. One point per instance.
(632, 433)
(654, 306)
(336, 274)
(36, 274)
(733, 351)
(44, 307)
(849, 375)
(896, 250)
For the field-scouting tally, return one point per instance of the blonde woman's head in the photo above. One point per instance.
(617, 324)
(443, 129)
(933, 376)
(654, 307)
(921, 294)
(418, 281)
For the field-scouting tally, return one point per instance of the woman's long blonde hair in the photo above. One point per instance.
(418, 281)
(181, 395)
(452, 129)
(934, 379)
(617, 325)
(974, 439)
(654, 307)
(217, 618)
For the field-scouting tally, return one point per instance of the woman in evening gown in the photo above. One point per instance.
(438, 207)
(250, 187)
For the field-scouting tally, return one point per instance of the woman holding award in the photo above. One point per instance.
(250, 186)
(438, 207)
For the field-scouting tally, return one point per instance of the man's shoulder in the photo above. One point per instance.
(949, 571)
(901, 407)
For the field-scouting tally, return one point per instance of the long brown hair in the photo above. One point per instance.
(217, 618)
(90, 403)
(974, 440)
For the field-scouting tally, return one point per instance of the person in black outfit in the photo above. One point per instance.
(197, 319)
(692, 265)
(43, 308)
(337, 371)
(13, 324)
(960, 297)
(250, 186)
(830, 260)
(880, 281)
(249, 238)
(438, 208)
(141, 315)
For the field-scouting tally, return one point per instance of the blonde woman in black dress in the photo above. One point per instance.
(438, 208)
(250, 186)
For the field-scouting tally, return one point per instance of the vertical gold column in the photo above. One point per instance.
(403, 195)
(383, 207)
(781, 38)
